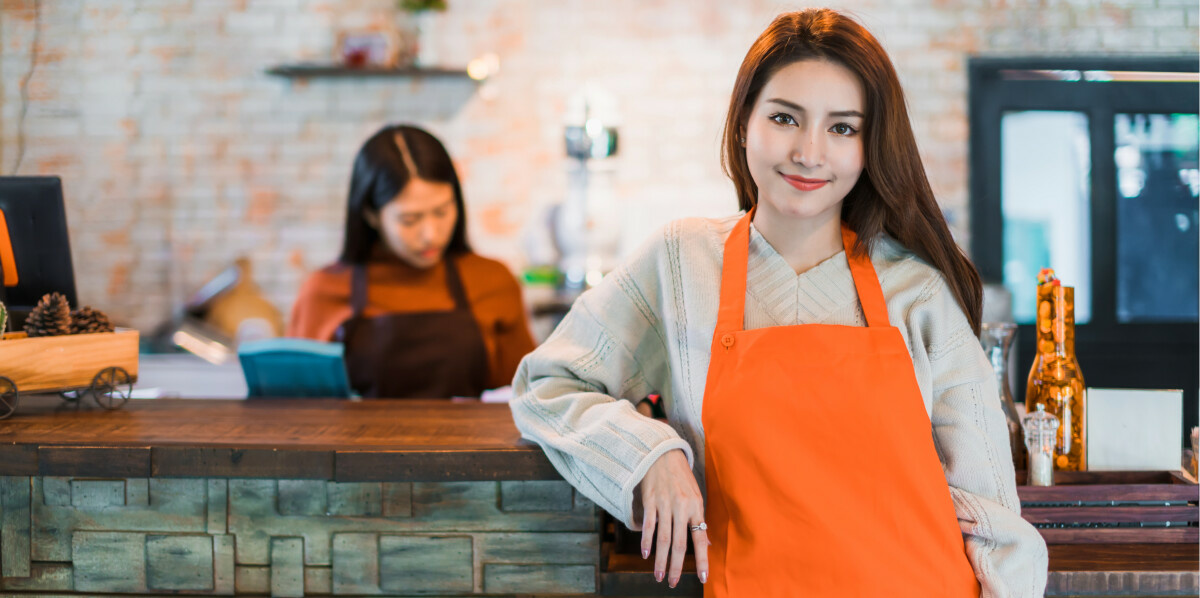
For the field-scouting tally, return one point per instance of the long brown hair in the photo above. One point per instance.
(893, 194)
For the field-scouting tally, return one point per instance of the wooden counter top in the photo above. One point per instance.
(329, 439)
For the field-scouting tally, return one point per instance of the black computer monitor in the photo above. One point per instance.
(41, 252)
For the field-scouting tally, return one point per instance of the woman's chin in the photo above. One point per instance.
(802, 208)
(421, 261)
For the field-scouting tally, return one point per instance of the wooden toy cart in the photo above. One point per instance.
(101, 365)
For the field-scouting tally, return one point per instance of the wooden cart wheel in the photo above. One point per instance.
(8, 397)
(111, 388)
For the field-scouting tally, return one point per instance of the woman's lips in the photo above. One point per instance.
(804, 184)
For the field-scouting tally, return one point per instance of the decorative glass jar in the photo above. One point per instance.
(1041, 437)
(1055, 379)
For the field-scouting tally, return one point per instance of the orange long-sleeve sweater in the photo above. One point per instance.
(394, 286)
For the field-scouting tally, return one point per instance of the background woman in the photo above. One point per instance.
(421, 315)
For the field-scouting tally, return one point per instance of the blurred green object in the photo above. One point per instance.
(3, 318)
(420, 5)
(544, 274)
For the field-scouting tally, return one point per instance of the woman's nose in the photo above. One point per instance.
(429, 230)
(810, 148)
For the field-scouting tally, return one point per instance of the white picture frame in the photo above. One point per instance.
(1134, 429)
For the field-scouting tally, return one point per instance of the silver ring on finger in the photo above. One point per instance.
(698, 528)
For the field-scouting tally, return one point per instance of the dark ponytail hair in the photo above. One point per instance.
(893, 194)
(384, 165)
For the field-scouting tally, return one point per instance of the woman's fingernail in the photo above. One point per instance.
(645, 553)
(658, 575)
(674, 582)
(704, 577)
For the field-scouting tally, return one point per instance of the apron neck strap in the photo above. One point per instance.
(358, 286)
(454, 283)
(732, 313)
(866, 282)
(358, 289)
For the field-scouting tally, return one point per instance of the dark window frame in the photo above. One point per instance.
(1111, 354)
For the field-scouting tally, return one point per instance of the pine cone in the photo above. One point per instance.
(51, 317)
(86, 320)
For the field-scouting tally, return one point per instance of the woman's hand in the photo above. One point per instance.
(671, 502)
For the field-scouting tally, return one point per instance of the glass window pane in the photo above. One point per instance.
(1045, 185)
(1157, 241)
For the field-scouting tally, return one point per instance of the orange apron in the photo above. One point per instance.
(821, 472)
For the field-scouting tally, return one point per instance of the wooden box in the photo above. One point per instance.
(62, 363)
(1113, 507)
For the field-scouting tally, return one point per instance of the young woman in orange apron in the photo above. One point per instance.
(821, 473)
(792, 509)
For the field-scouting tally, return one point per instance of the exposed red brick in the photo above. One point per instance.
(296, 260)
(165, 55)
(495, 220)
(118, 281)
(263, 203)
(116, 238)
(20, 9)
(55, 164)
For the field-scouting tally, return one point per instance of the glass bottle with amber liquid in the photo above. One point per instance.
(1055, 379)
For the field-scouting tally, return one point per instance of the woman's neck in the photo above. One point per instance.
(380, 254)
(802, 242)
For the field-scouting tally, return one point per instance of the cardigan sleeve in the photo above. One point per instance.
(574, 395)
(971, 436)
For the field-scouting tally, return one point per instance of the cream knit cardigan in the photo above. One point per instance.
(648, 327)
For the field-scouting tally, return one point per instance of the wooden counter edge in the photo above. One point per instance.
(313, 463)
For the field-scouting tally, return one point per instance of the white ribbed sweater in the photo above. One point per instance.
(648, 328)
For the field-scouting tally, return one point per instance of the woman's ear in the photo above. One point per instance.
(371, 217)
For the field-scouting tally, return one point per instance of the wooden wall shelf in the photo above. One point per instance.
(312, 70)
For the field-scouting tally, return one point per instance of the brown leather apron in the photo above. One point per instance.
(428, 354)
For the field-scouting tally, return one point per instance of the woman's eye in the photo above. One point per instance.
(843, 129)
(409, 221)
(783, 119)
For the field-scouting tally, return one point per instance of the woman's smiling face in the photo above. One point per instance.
(803, 139)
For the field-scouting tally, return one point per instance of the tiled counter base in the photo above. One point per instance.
(62, 536)
(169, 536)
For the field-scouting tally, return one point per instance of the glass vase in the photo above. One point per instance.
(997, 340)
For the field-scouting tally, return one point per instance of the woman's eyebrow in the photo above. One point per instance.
(799, 108)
